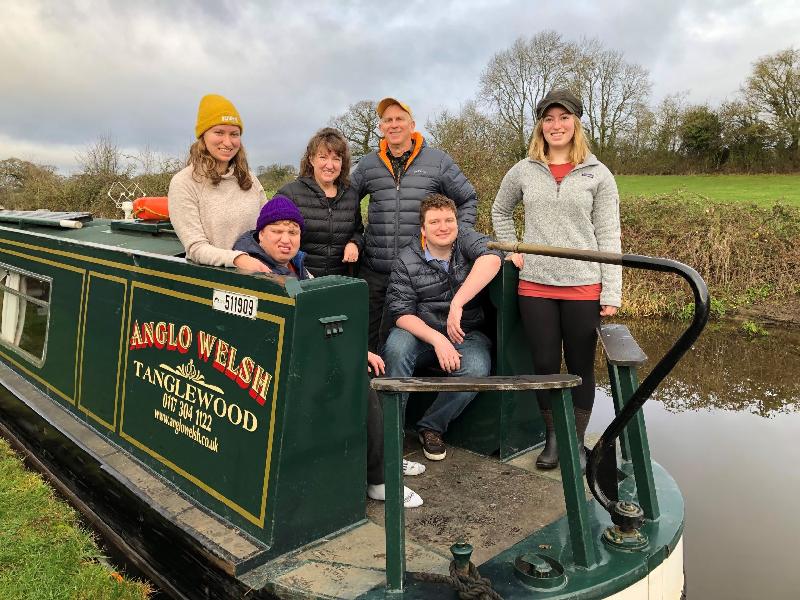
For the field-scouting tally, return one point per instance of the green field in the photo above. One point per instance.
(763, 190)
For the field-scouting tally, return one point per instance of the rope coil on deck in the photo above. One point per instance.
(470, 586)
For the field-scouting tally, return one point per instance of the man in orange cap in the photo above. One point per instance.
(397, 177)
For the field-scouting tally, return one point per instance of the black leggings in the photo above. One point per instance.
(548, 323)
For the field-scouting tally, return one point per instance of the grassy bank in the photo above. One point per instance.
(749, 255)
(44, 551)
(762, 190)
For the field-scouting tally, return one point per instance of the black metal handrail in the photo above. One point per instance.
(604, 449)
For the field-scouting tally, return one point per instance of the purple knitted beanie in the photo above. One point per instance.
(280, 208)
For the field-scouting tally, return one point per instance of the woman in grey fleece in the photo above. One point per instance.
(570, 200)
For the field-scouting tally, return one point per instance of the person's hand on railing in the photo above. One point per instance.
(517, 258)
(248, 263)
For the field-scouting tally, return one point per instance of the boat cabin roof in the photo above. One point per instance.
(143, 236)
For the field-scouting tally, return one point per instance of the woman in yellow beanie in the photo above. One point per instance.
(216, 198)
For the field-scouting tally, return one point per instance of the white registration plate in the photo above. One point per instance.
(235, 304)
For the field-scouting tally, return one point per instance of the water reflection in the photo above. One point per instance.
(726, 369)
(736, 469)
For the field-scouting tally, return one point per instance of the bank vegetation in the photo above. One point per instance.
(45, 552)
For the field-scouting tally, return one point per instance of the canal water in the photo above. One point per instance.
(726, 425)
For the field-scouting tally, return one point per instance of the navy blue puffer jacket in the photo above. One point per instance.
(393, 214)
(425, 289)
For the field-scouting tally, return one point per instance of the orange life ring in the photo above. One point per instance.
(151, 208)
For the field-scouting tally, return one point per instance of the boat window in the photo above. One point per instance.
(25, 312)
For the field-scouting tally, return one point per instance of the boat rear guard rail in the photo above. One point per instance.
(601, 471)
(557, 386)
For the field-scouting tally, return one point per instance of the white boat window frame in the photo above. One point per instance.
(6, 291)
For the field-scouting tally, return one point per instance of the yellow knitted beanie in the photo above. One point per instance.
(216, 110)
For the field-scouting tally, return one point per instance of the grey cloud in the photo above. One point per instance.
(74, 71)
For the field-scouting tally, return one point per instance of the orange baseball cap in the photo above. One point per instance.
(387, 102)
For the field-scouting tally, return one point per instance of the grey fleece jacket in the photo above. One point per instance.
(582, 212)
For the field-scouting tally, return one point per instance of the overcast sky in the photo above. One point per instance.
(74, 71)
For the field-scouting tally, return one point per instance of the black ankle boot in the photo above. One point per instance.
(581, 422)
(548, 459)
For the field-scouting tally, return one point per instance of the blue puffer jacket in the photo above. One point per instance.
(248, 242)
(425, 289)
(393, 214)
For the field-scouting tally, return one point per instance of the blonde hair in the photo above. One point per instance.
(578, 151)
(205, 165)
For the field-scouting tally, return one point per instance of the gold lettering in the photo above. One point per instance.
(161, 334)
(147, 334)
(261, 381)
(190, 392)
(172, 341)
(220, 356)
(245, 372)
(229, 370)
(184, 339)
(238, 418)
(250, 421)
(136, 338)
(205, 343)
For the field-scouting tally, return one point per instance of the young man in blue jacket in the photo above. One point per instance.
(431, 300)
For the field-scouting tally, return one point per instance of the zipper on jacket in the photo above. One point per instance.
(397, 181)
(558, 184)
(397, 207)
(330, 238)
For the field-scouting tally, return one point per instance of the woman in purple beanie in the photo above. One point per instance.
(276, 239)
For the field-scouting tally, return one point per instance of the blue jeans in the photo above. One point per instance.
(403, 353)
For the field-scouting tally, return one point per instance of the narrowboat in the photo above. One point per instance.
(211, 426)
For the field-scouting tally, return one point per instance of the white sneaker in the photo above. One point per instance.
(412, 468)
(411, 499)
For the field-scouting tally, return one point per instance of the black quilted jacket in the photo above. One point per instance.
(425, 289)
(330, 224)
(393, 215)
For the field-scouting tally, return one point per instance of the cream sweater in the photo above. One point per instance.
(209, 219)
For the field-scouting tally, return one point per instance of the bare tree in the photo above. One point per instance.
(774, 86)
(517, 78)
(611, 90)
(481, 145)
(641, 134)
(151, 162)
(103, 157)
(359, 124)
(668, 116)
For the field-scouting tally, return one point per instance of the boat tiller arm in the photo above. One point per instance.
(622, 513)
